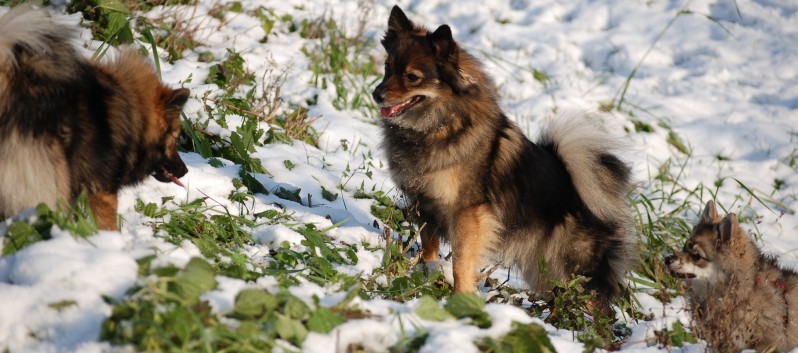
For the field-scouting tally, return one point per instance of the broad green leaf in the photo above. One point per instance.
(253, 303)
(465, 304)
(531, 338)
(290, 329)
(323, 320)
(428, 309)
(195, 279)
(294, 307)
(468, 305)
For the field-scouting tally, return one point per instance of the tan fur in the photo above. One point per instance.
(39, 169)
(68, 125)
(738, 298)
(477, 233)
(104, 206)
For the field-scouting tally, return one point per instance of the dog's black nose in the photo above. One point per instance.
(378, 94)
(670, 259)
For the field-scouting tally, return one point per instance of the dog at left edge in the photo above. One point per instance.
(69, 125)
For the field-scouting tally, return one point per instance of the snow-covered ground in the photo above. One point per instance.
(721, 75)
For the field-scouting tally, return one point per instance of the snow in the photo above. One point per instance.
(721, 74)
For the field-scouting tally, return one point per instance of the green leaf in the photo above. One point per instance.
(294, 307)
(428, 309)
(195, 279)
(290, 329)
(676, 142)
(530, 338)
(286, 194)
(328, 195)
(679, 336)
(465, 304)
(63, 304)
(18, 236)
(323, 320)
(251, 183)
(468, 305)
(254, 303)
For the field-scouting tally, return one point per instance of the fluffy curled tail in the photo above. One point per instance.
(599, 176)
(588, 152)
(31, 37)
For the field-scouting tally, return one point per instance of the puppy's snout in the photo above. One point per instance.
(670, 259)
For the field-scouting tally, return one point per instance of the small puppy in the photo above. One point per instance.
(739, 297)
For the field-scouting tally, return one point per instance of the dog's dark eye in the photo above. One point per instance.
(696, 256)
(413, 78)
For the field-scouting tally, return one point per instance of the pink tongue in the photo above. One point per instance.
(177, 181)
(389, 111)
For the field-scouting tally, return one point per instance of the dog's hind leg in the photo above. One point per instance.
(474, 235)
(104, 206)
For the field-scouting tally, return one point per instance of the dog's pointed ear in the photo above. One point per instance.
(176, 99)
(397, 23)
(710, 214)
(446, 50)
(730, 228)
(442, 42)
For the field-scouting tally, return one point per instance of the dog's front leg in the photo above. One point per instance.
(104, 206)
(430, 244)
(473, 234)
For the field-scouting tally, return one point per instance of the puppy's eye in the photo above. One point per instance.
(412, 78)
(696, 256)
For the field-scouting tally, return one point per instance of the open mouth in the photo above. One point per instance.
(392, 111)
(683, 275)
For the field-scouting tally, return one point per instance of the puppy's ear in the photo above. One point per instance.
(730, 229)
(397, 23)
(710, 214)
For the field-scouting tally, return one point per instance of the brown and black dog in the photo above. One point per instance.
(68, 125)
(553, 209)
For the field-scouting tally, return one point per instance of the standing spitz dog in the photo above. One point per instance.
(68, 125)
(552, 208)
(739, 298)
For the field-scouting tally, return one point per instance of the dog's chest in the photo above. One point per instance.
(441, 185)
